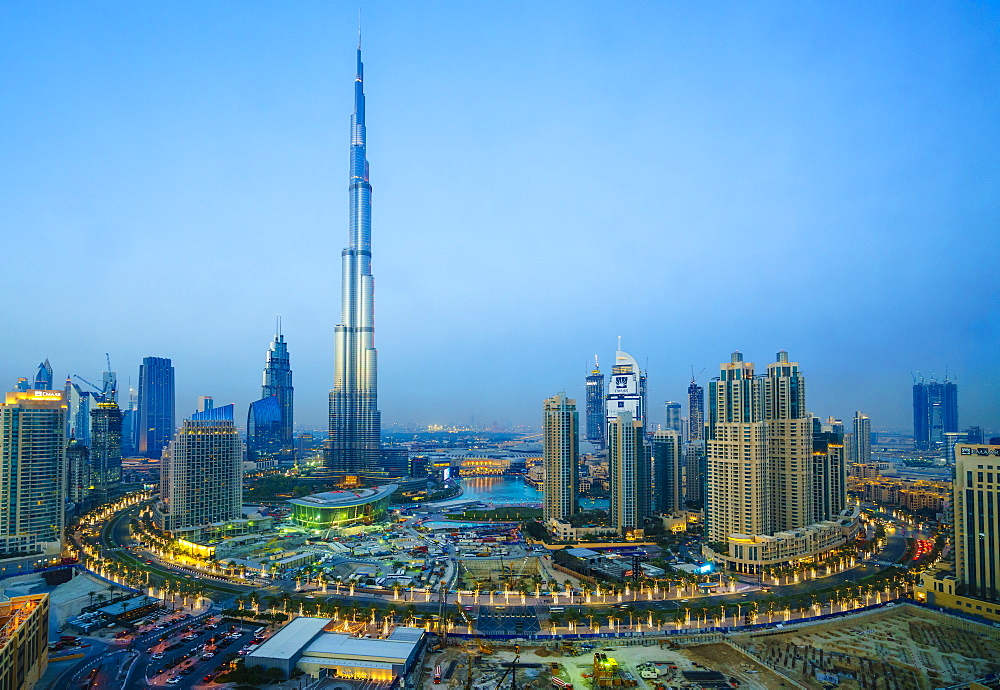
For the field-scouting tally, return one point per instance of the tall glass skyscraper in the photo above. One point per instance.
(596, 420)
(278, 383)
(43, 377)
(106, 449)
(354, 445)
(156, 406)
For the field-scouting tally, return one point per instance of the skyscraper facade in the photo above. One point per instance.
(935, 412)
(106, 449)
(79, 404)
(155, 406)
(78, 484)
(672, 416)
(668, 471)
(628, 453)
(561, 452)
(201, 476)
(861, 446)
(629, 468)
(278, 383)
(43, 377)
(354, 443)
(596, 419)
(772, 472)
(977, 520)
(694, 448)
(32, 472)
(264, 428)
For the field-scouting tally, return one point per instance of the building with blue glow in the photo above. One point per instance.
(278, 383)
(264, 428)
(155, 426)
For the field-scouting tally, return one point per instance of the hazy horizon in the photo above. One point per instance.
(697, 179)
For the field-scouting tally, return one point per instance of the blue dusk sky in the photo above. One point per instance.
(819, 177)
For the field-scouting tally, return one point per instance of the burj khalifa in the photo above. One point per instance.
(353, 448)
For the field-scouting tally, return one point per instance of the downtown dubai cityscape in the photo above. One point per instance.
(593, 463)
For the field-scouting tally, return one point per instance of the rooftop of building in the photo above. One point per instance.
(343, 498)
(310, 637)
(287, 642)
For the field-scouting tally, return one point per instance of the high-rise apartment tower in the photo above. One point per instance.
(760, 451)
(561, 452)
(354, 443)
(201, 476)
(32, 472)
(861, 447)
(977, 520)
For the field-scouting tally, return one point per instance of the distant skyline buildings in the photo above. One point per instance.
(935, 412)
(156, 405)
(43, 377)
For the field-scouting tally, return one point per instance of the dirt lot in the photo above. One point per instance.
(723, 658)
(903, 648)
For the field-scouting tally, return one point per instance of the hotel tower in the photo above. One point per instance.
(354, 444)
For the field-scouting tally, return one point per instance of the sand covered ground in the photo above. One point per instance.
(899, 648)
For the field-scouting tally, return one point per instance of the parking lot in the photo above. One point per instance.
(185, 652)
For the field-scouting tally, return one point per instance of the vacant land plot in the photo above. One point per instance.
(903, 648)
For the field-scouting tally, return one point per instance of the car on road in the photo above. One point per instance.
(158, 655)
(174, 680)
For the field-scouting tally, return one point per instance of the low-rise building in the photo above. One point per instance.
(311, 645)
(24, 636)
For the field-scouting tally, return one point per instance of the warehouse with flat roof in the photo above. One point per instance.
(310, 644)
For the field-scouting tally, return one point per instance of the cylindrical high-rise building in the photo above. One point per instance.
(354, 444)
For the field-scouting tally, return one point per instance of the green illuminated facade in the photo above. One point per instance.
(333, 509)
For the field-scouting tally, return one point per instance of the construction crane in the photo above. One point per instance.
(102, 392)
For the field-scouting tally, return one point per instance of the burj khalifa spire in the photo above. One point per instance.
(353, 448)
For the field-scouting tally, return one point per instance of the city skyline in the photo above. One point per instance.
(873, 153)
